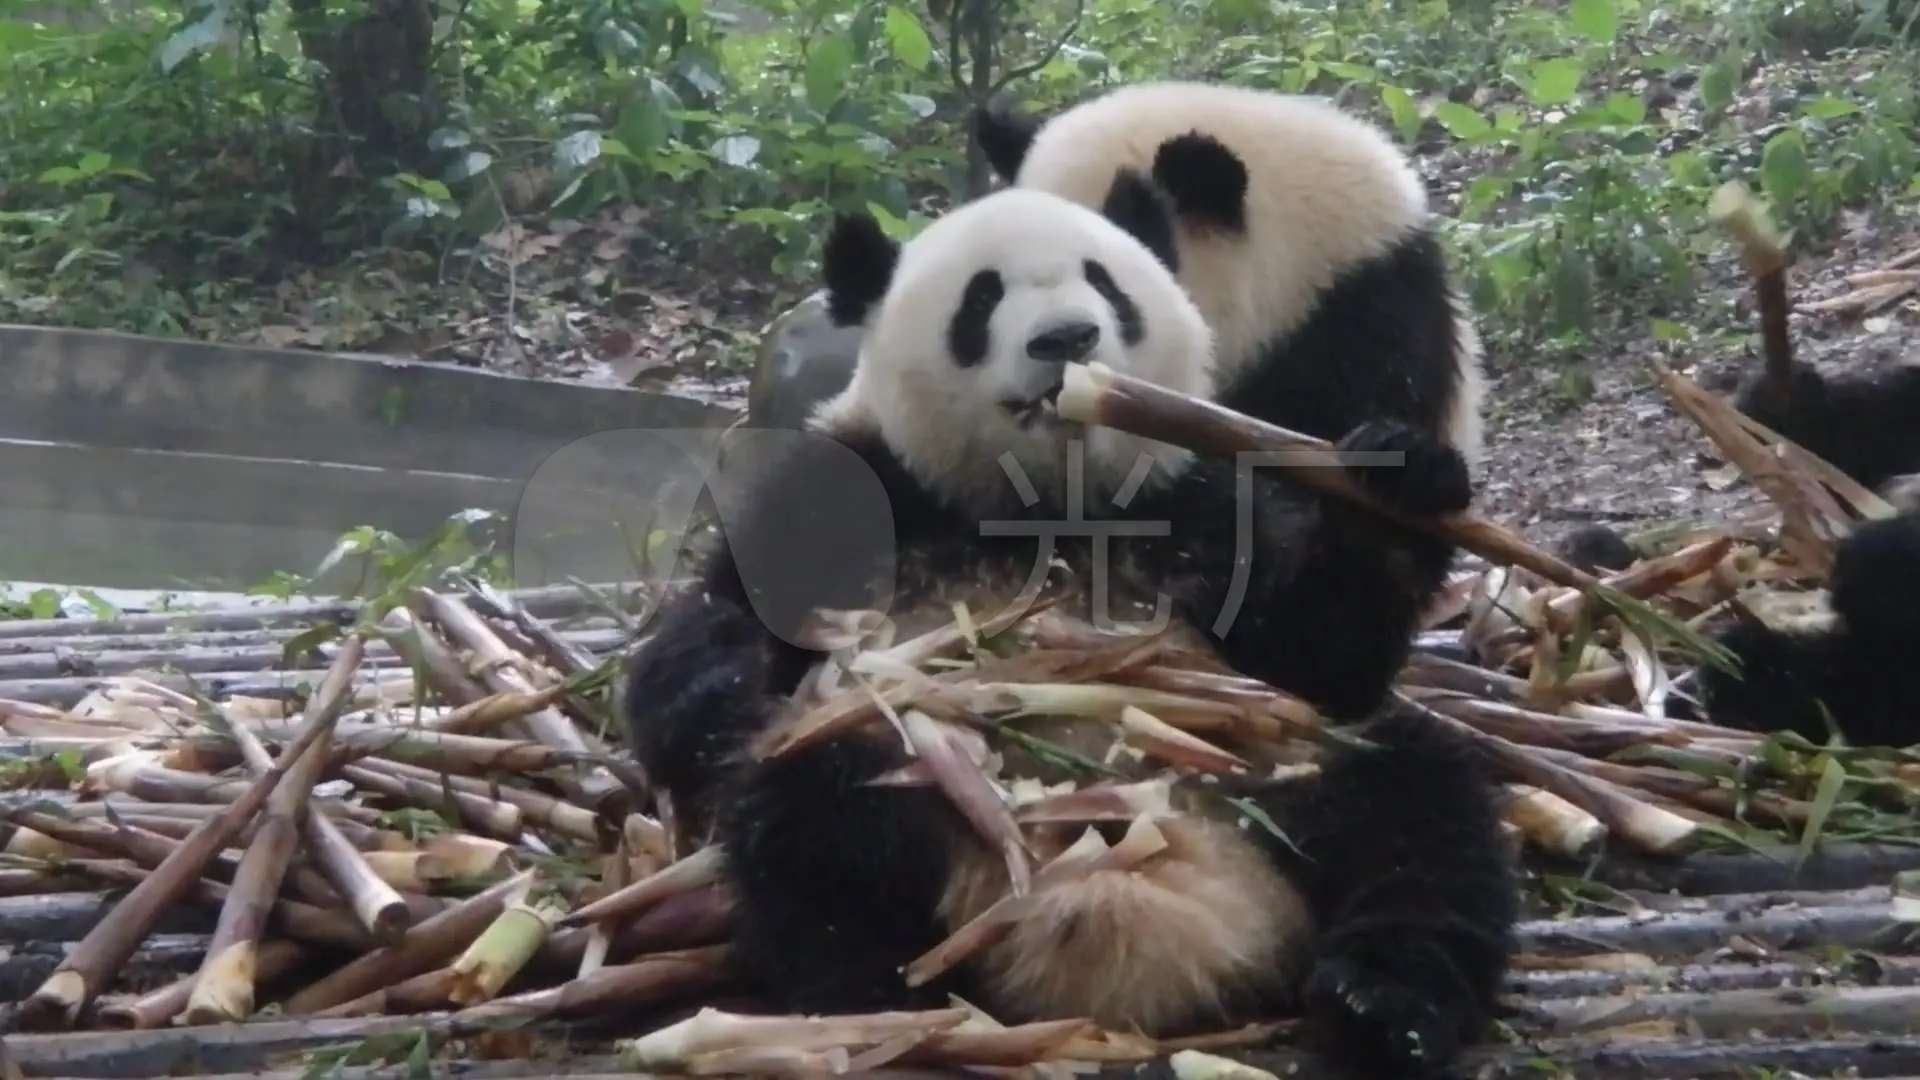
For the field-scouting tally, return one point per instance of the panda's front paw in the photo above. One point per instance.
(1425, 478)
(1377, 1026)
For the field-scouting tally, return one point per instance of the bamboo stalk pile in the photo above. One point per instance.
(455, 839)
(494, 816)
(443, 829)
(475, 855)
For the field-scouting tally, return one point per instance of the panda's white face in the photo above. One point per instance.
(984, 311)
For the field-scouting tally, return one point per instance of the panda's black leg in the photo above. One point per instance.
(1876, 578)
(1400, 849)
(836, 883)
(693, 694)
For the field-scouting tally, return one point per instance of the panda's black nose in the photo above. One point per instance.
(1067, 343)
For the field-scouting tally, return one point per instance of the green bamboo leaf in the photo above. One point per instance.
(1833, 780)
(1406, 114)
(1717, 82)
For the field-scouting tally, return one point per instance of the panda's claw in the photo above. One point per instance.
(1376, 1026)
(1424, 478)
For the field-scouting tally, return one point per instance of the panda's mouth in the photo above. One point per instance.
(1044, 409)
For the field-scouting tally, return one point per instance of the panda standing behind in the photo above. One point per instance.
(1304, 237)
(1385, 915)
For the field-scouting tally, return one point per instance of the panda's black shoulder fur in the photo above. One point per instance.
(1382, 343)
(1856, 667)
(1862, 424)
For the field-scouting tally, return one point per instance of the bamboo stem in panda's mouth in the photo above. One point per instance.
(1097, 394)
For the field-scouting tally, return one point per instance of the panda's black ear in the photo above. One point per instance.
(857, 264)
(1005, 135)
(1139, 206)
(1208, 182)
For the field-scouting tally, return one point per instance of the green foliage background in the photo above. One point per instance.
(172, 167)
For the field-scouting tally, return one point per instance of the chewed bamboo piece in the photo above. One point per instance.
(379, 908)
(1551, 822)
(1812, 522)
(500, 951)
(1764, 251)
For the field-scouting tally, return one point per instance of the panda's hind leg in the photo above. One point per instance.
(836, 882)
(1413, 893)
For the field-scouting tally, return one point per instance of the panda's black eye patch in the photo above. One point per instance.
(967, 333)
(1132, 327)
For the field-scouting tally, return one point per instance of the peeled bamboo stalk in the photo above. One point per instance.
(94, 961)
(1096, 394)
(498, 954)
(225, 987)
(1553, 823)
(158, 1008)
(425, 946)
(378, 907)
(593, 786)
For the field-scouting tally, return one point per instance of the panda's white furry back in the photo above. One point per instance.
(1305, 239)
(1385, 911)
